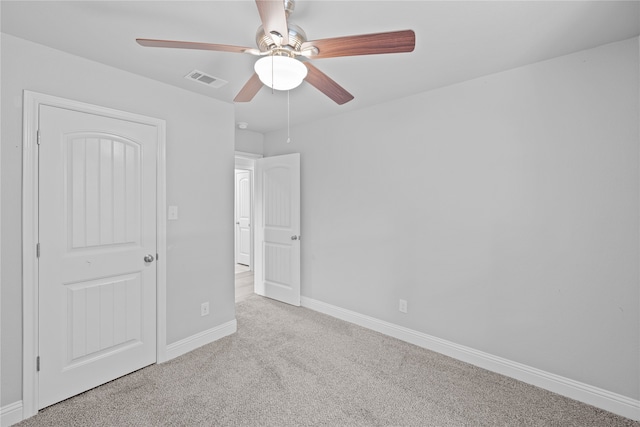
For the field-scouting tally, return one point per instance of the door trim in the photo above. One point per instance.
(245, 155)
(30, 279)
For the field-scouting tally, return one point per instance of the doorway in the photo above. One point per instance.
(274, 266)
(243, 218)
(243, 224)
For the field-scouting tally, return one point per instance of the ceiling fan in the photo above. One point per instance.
(281, 43)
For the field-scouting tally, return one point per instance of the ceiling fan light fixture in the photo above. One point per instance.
(280, 72)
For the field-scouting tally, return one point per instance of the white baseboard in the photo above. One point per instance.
(188, 344)
(11, 414)
(609, 401)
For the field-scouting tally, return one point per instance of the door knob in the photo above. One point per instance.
(294, 237)
(238, 223)
(148, 258)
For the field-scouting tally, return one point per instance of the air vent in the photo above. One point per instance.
(205, 79)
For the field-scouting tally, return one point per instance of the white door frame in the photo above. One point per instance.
(246, 161)
(30, 279)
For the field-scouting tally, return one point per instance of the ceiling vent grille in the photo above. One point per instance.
(205, 79)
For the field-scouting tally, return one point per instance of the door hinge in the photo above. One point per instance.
(37, 250)
(157, 257)
(38, 364)
(38, 136)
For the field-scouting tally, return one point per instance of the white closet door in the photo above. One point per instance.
(97, 270)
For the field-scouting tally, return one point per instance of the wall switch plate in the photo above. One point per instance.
(204, 309)
(402, 306)
(172, 215)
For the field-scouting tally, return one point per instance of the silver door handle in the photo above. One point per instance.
(295, 237)
(238, 223)
(148, 258)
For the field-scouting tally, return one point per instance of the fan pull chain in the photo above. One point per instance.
(288, 120)
(272, 75)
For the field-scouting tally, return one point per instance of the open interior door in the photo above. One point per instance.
(277, 249)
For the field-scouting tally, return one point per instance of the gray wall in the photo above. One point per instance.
(249, 141)
(504, 210)
(199, 180)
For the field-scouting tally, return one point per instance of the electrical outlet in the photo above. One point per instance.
(402, 306)
(204, 309)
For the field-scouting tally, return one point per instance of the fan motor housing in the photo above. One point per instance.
(297, 36)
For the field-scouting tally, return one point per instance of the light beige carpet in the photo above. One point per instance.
(289, 366)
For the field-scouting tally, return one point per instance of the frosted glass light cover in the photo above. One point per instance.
(287, 73)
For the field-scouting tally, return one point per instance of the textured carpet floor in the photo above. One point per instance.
(289, 366)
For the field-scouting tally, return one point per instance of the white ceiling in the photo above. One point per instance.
(455, 41)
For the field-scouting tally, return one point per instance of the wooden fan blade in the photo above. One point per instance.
(326, 85)
(196, 45)
(274, 18)
(249, 90)
(363, 44)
